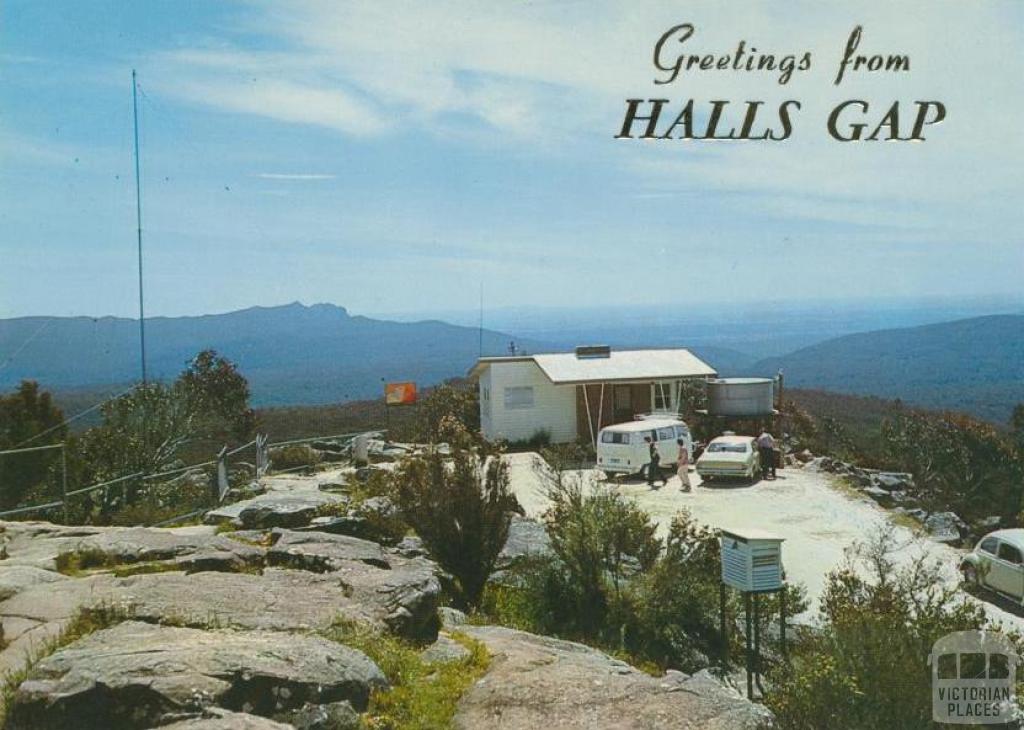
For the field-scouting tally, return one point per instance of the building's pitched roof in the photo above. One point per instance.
(566, 368)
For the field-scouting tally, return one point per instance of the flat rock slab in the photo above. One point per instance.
(285, 508)
(403, 599)
(38, 544)
(149, 544)
(16, 578)
(536, 681)
(135, 675)
(224, 720)
(322, 552)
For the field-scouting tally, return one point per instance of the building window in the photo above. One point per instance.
(663, 396)
(518, 397)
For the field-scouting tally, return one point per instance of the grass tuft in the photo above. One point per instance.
(422, 695)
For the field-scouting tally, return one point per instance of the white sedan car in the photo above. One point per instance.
(997, 563)
(729, 456)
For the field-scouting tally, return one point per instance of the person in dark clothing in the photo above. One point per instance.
(766, 445)
(653, 468)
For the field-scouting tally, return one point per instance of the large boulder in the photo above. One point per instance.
(893, 481)
(136, 675)
(536, 681)
(322, 552)
(277, 509)
(526, 538)
(946, 527)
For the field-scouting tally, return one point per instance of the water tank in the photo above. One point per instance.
(741, 396)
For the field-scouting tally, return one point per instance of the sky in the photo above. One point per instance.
(402, 157)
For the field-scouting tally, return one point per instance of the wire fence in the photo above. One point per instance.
(218, 472)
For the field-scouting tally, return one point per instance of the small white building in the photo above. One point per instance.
(574, 394)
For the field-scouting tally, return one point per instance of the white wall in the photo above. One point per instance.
(554, 406)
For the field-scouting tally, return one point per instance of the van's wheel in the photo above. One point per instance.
(971, 576)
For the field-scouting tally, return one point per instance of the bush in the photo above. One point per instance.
(441, 407)
(461, 507)
(294, 457)
(537, 441)
(866, 666)
(958, 464)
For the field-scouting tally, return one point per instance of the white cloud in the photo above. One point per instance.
(553, 77)
(294, 176)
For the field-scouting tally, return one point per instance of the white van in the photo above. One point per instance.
(621, 448)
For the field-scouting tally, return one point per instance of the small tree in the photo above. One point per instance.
(441, 407)
(1017, 426)
(218, 395)
(25, 414)
(461, 507)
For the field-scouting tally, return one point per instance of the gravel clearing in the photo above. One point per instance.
(819, 518)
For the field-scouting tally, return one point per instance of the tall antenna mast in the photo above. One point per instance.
(138, 220)
(481, 319)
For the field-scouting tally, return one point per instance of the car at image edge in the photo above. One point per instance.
(997, 563)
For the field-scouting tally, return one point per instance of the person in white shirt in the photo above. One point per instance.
(683, 466)
(766, 445)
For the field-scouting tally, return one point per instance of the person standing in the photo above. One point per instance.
(683, 466)
(766, 447)
(654, 466)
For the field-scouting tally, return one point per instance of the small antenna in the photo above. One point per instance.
(138, 228)
(481, 319)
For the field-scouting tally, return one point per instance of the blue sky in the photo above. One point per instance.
(395, 157)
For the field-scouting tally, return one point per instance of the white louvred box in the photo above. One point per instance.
(751, 560)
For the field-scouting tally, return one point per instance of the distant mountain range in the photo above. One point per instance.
(974, 365)
(292, 354)
(300, 355)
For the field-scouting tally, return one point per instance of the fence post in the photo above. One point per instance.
(221, 484)
(64, 478)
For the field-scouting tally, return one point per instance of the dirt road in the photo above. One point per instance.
(819, 518)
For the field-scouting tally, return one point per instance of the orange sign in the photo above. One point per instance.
(399, 394)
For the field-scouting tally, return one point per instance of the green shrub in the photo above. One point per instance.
(294, 457)
(866, 665)
(537, 441)
(461, 507)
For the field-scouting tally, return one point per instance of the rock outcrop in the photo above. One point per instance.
(536, 681)
(135, 675)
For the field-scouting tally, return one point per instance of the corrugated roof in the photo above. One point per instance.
(620, 365)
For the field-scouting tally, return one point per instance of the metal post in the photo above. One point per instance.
(138, 220)
(724, 629)
(750, 677)
(782, 623)
(64, 479)
(757, 644)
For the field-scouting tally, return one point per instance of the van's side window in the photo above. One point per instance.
(615, 437)
(666, 434)
(681, 432)
(1009, 553)
(989, 545)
